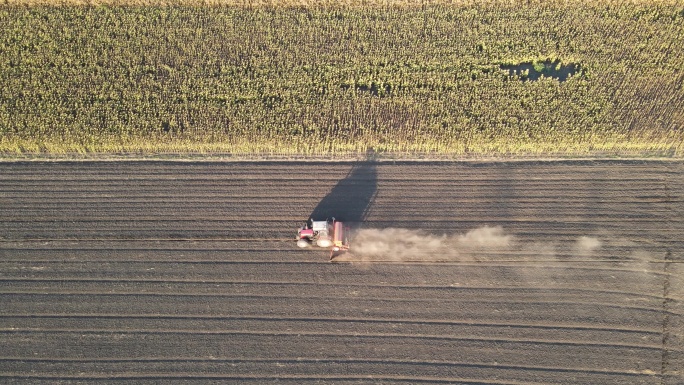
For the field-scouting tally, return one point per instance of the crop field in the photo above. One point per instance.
(527, 272)
(322, 77)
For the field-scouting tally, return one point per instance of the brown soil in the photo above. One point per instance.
(187, 272)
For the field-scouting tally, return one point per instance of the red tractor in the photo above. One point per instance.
(329, 233)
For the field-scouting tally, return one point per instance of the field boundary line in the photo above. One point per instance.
(296, 158)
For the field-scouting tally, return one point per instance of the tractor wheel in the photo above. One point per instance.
(303, 243)
(322, 242)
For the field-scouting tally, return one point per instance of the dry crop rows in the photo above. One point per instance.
(186, 272)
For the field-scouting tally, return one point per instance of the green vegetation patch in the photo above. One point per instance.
(331, 80)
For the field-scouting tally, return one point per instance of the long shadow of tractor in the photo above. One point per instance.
(346, 206)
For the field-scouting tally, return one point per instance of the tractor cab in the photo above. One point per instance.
(320, 226)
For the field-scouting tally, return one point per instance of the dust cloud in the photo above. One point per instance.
(406, 244)
(585, 246)
(483, 243)
(490, 243)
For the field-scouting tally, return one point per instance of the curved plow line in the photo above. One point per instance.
(331, 284)
(227, 376)
(616, 328)
(330, 335)
(323, 261)
(369, 299)
(508, 262)
(304, 360)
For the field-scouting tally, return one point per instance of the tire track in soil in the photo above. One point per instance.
(115, 219)
(180, 361)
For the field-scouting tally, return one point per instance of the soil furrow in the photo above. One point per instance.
(111, 270)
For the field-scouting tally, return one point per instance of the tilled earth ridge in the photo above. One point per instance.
(187, 272)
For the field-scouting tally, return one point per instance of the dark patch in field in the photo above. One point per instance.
(535, 70)
(374, 88)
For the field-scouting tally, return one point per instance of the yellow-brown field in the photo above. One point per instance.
(321, 77)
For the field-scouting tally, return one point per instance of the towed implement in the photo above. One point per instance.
(329, 233)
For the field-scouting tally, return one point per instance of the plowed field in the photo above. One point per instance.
(559, 272)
